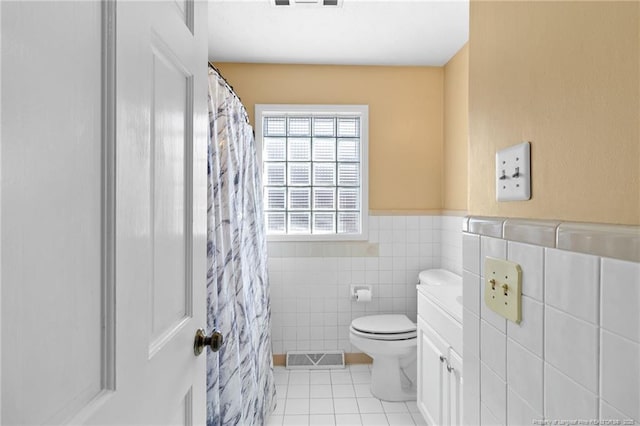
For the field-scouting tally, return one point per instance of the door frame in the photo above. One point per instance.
(108, 215)
(108, 110)
(1, 183)
(104, 168)
(108, 218)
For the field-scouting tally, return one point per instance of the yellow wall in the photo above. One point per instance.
(456, 130)
(405, 119)
(565, 76)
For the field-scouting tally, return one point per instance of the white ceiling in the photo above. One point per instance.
(360, 32)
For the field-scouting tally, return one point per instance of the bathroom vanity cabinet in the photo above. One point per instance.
(439, 389)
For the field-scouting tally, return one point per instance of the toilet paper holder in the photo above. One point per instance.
(355, 288)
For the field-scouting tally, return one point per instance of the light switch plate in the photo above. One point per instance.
(503, 288)
(513, 173)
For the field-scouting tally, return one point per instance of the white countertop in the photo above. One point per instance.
(445, 289)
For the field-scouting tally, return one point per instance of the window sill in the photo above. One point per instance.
(318, 238)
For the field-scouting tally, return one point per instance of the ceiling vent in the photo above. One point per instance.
(307, 3)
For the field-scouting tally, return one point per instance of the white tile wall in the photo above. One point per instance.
(530, 258)
(620, 296)
(524, 370)
(607, 412)
(311, 306)
(572, 283)
(620, 374)
(451, 243)
(566, 399)
(493, 247)
(471, 295)
(576, 353)
(487, 418)
(471, 334)
(571, 345)
(471, 388)
(493, 348)
(529, 333)
(493, 393)
(471, 253)
(519, 412)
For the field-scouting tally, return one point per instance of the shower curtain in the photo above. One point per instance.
(240, 385)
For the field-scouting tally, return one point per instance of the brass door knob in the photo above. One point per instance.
(214, 341)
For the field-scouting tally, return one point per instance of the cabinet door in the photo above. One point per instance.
(455, 388)
(432, 375)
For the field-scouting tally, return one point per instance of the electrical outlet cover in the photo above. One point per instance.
(513, 173)
(505, 302)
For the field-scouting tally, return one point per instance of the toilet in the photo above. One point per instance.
(391, 341)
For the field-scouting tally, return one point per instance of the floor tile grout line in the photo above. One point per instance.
(405, 412)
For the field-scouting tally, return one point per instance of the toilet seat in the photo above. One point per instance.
(384, 327)
(385, 336)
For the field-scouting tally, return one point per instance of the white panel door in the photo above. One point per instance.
(103, 209)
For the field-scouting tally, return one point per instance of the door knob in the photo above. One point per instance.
(214, 341)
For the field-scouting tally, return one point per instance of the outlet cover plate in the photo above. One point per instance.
(513, 173)
(497, 274)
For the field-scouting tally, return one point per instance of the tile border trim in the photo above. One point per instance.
(606, 240)
(277, 249)
(408, 212)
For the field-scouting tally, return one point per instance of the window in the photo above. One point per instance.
(314, 171)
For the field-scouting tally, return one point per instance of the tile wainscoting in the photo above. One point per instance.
(451, 243)
(311, 307)
(576, 353)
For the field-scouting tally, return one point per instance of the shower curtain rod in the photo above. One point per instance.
(231, 89)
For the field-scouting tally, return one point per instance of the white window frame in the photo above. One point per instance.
(362, 111)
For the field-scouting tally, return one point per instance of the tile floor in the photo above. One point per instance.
(338, 397)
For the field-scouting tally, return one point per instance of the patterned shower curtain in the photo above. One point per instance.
(240, 385)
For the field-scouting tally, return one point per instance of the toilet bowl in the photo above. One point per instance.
(391, 341)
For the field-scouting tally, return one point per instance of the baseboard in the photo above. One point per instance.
(349, 358)
(357, 358)
(279, 360)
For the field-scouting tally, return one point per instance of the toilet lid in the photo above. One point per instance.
(384, 324)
